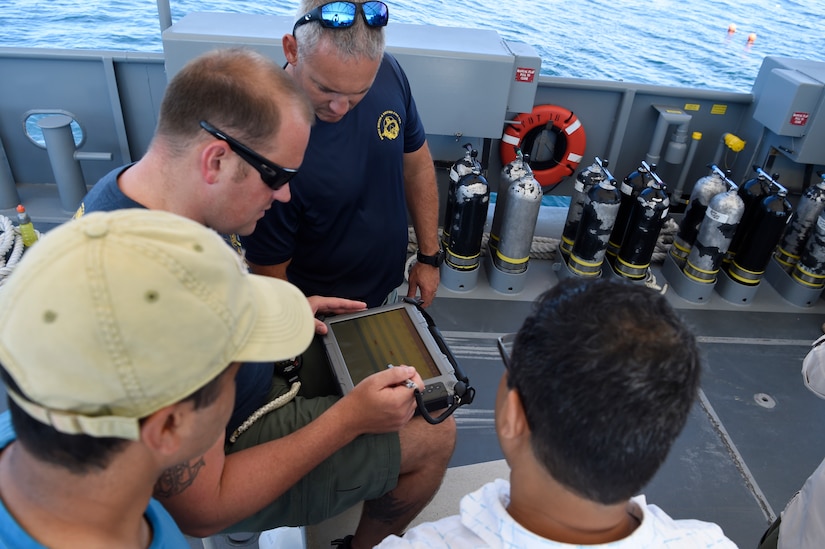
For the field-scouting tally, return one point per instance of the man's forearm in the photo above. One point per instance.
(252, 478)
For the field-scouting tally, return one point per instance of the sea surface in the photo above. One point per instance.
(665, 42)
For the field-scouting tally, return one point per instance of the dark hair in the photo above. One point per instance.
(80, 454)
(607, 373)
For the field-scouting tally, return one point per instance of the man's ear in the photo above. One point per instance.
(290, 46)
(211, 157)
(512, 422)
(162, 431)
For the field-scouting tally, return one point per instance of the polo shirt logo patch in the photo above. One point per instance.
(389, 125)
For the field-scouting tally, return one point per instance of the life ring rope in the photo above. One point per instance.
(524, 128)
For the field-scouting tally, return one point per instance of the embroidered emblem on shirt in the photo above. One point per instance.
(389, 125)
(234, 242)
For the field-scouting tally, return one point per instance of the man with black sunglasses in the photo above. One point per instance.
(231, 135)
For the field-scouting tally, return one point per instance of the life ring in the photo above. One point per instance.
(568, 150)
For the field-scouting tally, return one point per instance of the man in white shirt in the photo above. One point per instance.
(599, 384)
(802, 524)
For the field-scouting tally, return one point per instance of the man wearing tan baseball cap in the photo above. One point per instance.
(120, 335)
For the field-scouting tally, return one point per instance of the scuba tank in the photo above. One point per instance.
(811, 204)
(510, 173)
(597, 221)
(630, 188)
(467, 208)
(518, 224)
(810, 269)
(703, 191)
(459, 169)
(585, 180)
(715, 235)
(769, 221)
(752, 192)
(646, 220)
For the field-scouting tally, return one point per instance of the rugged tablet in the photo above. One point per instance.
(360, 344)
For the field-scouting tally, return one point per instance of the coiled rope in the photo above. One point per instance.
(543, 247)
(11, 247)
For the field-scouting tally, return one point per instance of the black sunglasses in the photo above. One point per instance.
(340, 15)
(272, 174)
(505, 348)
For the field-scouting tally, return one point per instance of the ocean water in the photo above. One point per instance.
(665, 42)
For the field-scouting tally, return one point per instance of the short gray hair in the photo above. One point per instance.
(359, 40)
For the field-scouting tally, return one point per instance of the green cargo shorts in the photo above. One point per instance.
(365, 469)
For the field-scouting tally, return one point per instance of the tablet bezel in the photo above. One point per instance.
(422, 330)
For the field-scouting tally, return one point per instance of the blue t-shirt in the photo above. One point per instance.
(345, 228)
(165, 533)
(254, 380)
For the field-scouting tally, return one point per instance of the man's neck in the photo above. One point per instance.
(548, 509)
(153, 183)
(61, 509)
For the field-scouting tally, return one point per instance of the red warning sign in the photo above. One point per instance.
(525, 74)
(799, 118)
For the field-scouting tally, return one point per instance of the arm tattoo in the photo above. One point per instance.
(176, 479)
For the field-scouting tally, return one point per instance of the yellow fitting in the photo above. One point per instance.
(734, 143)
(697, 136)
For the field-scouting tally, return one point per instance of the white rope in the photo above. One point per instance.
(265, 409)
(663, 243)
(543, 247)
(11, 247)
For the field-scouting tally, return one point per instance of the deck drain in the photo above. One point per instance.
(766, 401)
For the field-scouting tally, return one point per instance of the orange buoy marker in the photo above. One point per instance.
(732, 28)
(752, 38)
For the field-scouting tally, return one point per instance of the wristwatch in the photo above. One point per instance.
(434, 260)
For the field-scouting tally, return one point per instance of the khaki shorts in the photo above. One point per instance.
(365, 469)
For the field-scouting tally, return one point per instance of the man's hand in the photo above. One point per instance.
(332, 305)
(382, 403)
(423, 279)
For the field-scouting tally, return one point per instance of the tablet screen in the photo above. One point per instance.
(369, 343)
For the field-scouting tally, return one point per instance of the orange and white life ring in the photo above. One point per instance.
(567, 152)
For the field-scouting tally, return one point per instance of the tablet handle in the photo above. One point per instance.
(463, 395)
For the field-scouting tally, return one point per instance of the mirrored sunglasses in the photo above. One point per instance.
(340, 15)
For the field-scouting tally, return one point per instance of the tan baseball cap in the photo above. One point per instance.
(110, 317)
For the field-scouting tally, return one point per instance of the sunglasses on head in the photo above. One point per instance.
(272, 174)
(340, 15)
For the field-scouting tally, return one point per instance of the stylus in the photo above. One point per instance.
(409, 384)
